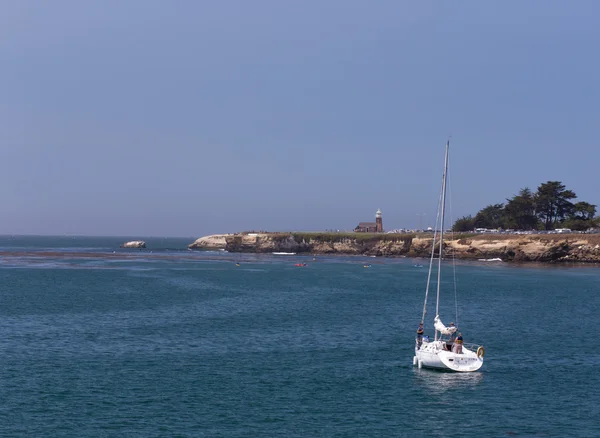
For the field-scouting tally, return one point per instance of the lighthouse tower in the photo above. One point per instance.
(379, 221)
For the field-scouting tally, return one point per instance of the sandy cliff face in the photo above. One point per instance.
(576, 248)
(216, 241)
(541, 248)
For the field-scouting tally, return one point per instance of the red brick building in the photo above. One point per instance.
(371, 227)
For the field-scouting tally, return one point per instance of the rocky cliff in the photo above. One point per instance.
(518, 248)
(216, 241)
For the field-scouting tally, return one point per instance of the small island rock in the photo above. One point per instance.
(134, 244)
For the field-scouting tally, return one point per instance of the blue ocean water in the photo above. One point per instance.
(102, 341)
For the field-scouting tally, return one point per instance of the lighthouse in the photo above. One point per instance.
(379, 221)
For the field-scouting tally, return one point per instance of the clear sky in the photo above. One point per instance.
(186, 118)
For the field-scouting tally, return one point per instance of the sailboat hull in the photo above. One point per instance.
(433, 355)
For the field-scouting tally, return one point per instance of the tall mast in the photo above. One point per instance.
(431, 259)
(439, 273)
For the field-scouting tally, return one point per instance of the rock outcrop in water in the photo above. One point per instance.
(216, 241)
(517, 248)
(134, 244)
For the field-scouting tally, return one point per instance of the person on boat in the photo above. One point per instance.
(451, 339)
(420, 335)
(458, 344)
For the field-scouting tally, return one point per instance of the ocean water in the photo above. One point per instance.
(101, 341)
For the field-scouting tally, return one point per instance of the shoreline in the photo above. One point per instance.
(543, 248)
(71, 258)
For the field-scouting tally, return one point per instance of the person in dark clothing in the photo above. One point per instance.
(420, 335)
(451, 339)
(453, 335)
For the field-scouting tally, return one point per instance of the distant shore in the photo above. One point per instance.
(546, 248)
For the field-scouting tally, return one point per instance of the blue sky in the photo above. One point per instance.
(189, 118)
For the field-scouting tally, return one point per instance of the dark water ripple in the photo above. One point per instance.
(191, 345)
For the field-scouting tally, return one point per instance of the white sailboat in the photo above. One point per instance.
(444, 352)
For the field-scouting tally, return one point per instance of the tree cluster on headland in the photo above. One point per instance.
(551, 206)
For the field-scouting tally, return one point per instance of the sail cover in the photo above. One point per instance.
(440, 327)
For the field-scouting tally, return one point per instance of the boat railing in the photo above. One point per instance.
(475, 348)
(471, 346)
